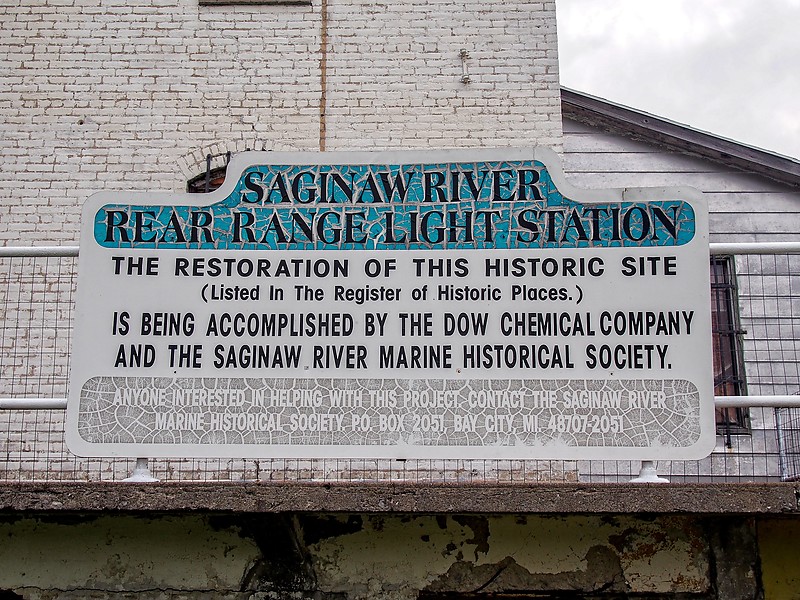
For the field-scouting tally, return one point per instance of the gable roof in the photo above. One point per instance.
(638, 125)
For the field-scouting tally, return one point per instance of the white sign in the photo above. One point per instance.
(399, 305)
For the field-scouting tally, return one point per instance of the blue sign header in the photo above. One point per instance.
(455, 206)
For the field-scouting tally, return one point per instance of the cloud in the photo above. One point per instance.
(725, 67)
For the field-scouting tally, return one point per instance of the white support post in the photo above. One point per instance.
(141, 473)
(647, 474)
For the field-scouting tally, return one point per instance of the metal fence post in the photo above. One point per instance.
(647, 474)
(141, 473)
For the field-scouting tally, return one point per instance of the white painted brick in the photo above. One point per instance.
(116, 95)
(121, 96)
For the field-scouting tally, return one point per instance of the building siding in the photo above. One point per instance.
(742, 207)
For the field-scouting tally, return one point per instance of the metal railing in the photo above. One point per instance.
(37, 287)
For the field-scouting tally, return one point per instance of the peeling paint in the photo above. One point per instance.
(603, 573)
(480, 531)
(397, 557)
(503, 554)
(122, 553)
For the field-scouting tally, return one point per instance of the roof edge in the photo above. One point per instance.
(643, 126)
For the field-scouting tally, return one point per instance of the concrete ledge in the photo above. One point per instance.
(563, 498)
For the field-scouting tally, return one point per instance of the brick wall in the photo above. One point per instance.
(132, 94)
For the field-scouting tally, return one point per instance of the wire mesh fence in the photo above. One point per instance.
(769, 291)
(787, 422)
(36, 311)
(761, 325)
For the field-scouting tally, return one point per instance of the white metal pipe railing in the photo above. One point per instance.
(33, 403)
(715, 248)
(753, 401)
(792, 401)
(648, 472)
(32, 251)
(755, 248)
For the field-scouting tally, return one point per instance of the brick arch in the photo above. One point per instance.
(194, 163)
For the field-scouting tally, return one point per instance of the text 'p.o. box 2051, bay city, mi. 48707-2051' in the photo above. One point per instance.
(440, 304)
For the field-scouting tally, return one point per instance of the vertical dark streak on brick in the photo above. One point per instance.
(323, 72)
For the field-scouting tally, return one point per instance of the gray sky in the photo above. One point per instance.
(729, 67)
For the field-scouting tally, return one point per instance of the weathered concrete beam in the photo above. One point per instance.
(563, 498)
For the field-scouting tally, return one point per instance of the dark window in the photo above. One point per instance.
(211, 179)
(727, 343)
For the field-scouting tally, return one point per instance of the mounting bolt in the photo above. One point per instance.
(464, 71)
